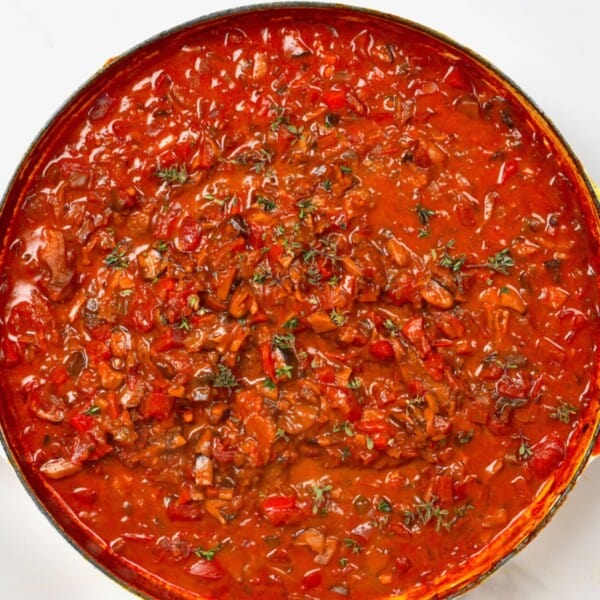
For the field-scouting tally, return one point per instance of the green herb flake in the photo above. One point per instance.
(193, 301)
(161, 246)
(269, 384)
(266, 204)
(563, 412)
(260, 275)
(352, 545)
(175, 174)
(284, 341)
(424, 214)
(281, 435)
(392, 328)
(501, 262)
(291, 323)
(224, 377)
(345, 426)
(319, 498)
(338, 318)
(184, 324)
(355, 383)
(525, 452)
(117, 259)
(93, 411)
(306, 207)
(464, 437)
(208, 554)
(284, 371)
(384, 506)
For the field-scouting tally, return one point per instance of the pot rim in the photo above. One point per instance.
(542, 120)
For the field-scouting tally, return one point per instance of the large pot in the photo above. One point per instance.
(36, 487)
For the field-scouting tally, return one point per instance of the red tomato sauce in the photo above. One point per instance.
(299, 308)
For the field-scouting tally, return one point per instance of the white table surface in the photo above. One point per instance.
(48, 48)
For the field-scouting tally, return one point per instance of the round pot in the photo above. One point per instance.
(505, 548)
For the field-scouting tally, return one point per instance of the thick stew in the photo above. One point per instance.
(299, 307)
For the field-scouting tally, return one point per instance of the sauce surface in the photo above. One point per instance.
(302, 308)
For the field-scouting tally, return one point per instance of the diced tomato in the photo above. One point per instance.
(507, 170)
(457, 77)
(325, 374)
(402, 565)
(81, 422)
(164, 223)
(85, 495)
(435, 365)
(97, 352)
(514, 387)
(255, 239)
(443, 488)
(311, 579)
(141, 313)
(168, 340)
(335, 99)
(190, 234)
(414, 332)
(156, 406)
(207, 569)
(382, 350)
(267, 361)
(59, 375)
(10, 352)
(416, 387)
(405, 292)
(275, 251)
(372, 426)
(188, 511)
(548, 453)
(281, 510)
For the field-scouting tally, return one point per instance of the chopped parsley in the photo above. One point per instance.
(93, 411)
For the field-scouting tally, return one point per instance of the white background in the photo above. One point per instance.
(47, 49)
